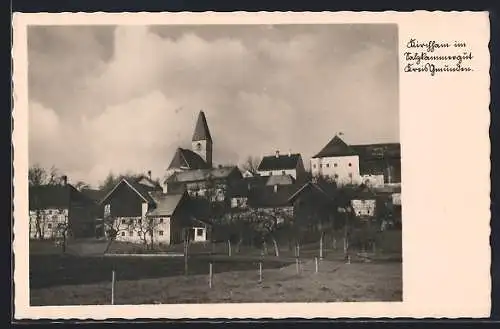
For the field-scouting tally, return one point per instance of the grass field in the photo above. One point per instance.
(65, 279)
(334, 282)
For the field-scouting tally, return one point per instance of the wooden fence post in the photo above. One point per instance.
(260, 272)
(316, 263)
(210, 276)
(113, 288)
(321, 247)
(186, 257)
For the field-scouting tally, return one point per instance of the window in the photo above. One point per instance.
(335, 165)
(328, 165)
(199, 232)
(198, 146)
(314, 166)
(123, 221)
(49, 225)
(161, 220)
(107, 210)
(350, 164)
(283, 172)
(336, 176)
(123, 233)
(160, 232)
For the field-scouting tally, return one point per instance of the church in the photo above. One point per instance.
(193, 170)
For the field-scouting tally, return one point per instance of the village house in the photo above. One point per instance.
(206, 183)
(60, 210)
(139, 212)
(274, 200)
(278, 164)
(371, 164)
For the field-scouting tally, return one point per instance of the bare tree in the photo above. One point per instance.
(251, 164)
(268, 222)
(146, 228)
(37, 175)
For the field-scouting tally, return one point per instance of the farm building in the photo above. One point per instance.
(55, 210)
(139, 212)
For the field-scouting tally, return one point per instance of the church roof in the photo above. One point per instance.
(335, 147)
(201, 131)
(187, 159)
(280, 162)
(203, 174)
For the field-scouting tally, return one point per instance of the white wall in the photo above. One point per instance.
(291, 172)
(202, 237)
(129, 230)
(204, 152)
(344, 169)
(49, 219)
(363, 207)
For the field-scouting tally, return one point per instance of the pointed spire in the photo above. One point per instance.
(201, 131)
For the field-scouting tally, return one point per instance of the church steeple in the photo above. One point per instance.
(202, 140)
(201, 131)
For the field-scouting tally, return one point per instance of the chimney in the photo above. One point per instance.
(64, 180)
(149, 174)
(277, 153)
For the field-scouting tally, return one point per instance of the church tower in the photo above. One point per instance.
(202, 140)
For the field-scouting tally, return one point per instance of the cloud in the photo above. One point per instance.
(123, 98)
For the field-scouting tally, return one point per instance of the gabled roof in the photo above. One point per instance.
(141, 190)
(280, 180)
(145, 180)
(93, 194)
(335, 147)
(267, 196)
(166, 204)
(187, 159)
(49, 196)
(280, 162)
(55, 196)
(201, 131)
(242, 187)
(328, 191)
(202, 174)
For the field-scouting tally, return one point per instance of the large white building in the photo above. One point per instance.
(371, 164)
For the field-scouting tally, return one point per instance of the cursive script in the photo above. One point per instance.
(434, 57)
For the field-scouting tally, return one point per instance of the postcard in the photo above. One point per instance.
(251, 165)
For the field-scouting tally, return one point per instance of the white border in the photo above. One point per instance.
(444, 134)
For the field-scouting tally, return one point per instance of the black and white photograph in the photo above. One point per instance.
(214, 164)
(250, 165)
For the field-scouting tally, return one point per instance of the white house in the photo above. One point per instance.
(278, 164)
(338, 161)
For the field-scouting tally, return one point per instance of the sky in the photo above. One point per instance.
(122, 98)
